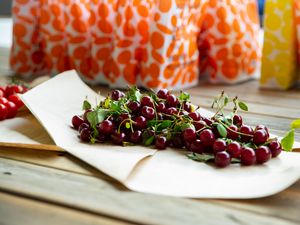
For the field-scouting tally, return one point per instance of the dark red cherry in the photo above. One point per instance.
(222, 159)
(263, 154)
(248, 156)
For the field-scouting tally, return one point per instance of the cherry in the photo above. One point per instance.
(118, 138)
(147, 101)
(12, 110)
(101, 138)
(134, 106)
(248, 156)
(177, 141)
(148, 112)
(163, 93)
(275, 148)
(3, 100)
(219, 145)
(161, 107)
(172, 100)
(117, 94)
(106, 127)
(189, 134)
(77, 121)
(245, 129)
(2, 93)
(195, 116)
(136, 136)
(197, 146)
(161, 142)
(234, 149)
(140, 122)
(83, 125)
(187, 106)
(14, 89)
(123, 116)
(183, 112)
(262, 127)
(85, 135)
(232, 132)
(263, 154)
(208, 121)
(260, 137)
(207, 137)
(3, 112)
(16, 99)
(199, 124)
(222, 159)
(237, 120)
(171, 111)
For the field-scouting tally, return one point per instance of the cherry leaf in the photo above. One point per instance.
(287, 141)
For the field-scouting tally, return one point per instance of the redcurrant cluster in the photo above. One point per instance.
(163, 119)
(10, 101)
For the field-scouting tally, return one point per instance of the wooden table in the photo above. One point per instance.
(38, 187)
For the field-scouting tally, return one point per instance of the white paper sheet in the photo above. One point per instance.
(166, 172)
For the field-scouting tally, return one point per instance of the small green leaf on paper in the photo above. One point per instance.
(288, 141)
(295, 124)
(222, 130)
(200, 157)
(243, 106)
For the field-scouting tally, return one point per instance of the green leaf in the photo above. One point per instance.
(200, 157)
(222, 130)
(86, 105)
(226, 100)
(288, 141)
(163, 125)
(184, 96)
(242, 106)
(235, 160)
(134, 94)
(96, 116)
(149, 141)
(151, 123)
(295, 124)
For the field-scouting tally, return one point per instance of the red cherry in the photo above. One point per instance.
(161, 142)
(197, 146)
(3, 112)
(260, 137)
(195, 116)
(248, 131)
(248, 156)
(222, 159)
(2, 93)
(219, 145)
(163, 93)
(106, 127)
(3, 100)
(16, 99)
(232, 132)
(263, 154)
(77, 121)
(12, 110)
(234, 149)
(172, 100)
(189, 134)
(237, 120)
(207, 137)
(275, 148)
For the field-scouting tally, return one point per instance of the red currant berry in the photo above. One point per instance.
(197, 146)
(260, 137)
(140, 122)
(147, 101)
(16, 99)
(248, 156)
(234, 149)
(207, 137)
(275, 148)
(172, 101)
(148, 112)
(13, 89)
(189, 134)
(222, 159)
(195, 116)
(247, 133)
(3, 100)
(219, 145)
(263, 154)
(161, 142)
(3, 112)
(237, 120)
(12, 110)
(2, 93)
(232, 132)
(163, 93)
(77, 121)
(117, 94)
(106, 127)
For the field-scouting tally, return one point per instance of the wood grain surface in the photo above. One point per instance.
(56, 188)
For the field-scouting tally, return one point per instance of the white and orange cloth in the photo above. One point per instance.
(151, 43)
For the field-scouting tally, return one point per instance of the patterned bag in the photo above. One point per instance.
(151, 43)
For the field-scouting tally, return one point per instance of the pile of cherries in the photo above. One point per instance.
(10, 101)
(162, 119)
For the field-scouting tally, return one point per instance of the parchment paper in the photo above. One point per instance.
(143, 169)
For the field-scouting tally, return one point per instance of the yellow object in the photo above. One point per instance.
(279, 61)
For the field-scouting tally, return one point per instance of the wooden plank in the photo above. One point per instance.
(20, 210)
(99, 196)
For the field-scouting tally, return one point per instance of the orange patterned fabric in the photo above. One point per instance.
(151, 43)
